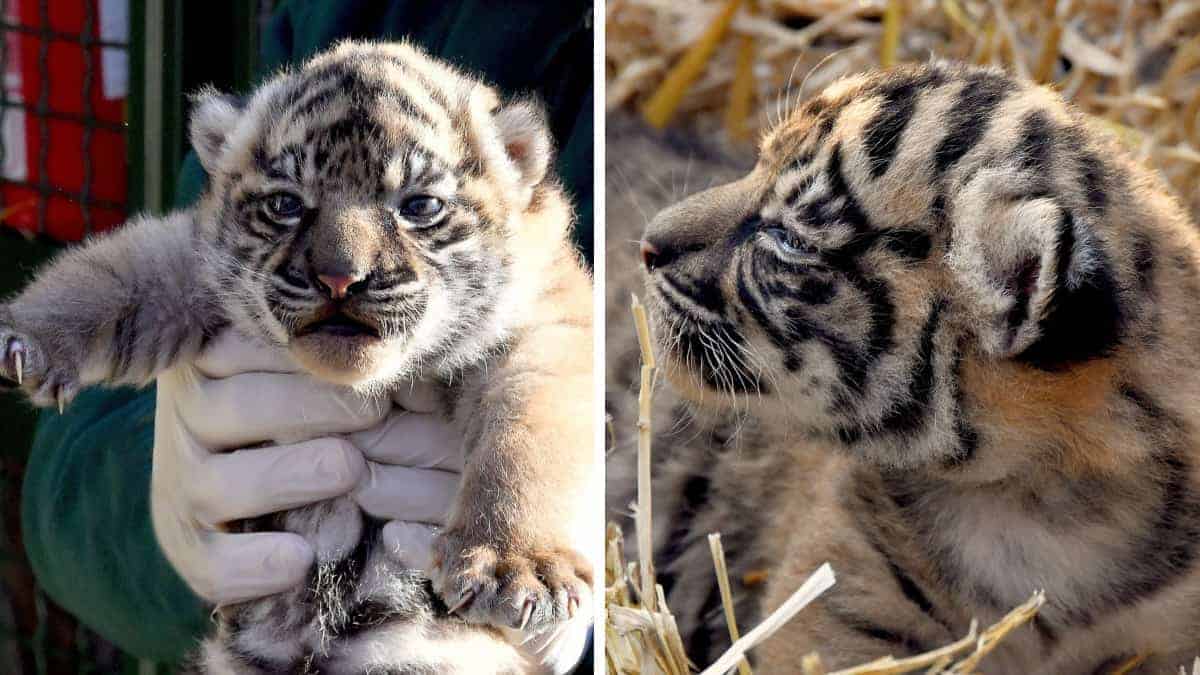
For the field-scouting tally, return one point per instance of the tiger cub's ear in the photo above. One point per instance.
(1038, 282)
(525, 134)
(214, 116)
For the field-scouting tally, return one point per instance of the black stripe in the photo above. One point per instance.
(369, 614)
(701, 642)
(870, 628)
(969, 117)
(811, 290)
(851, 212)
(912, 414)
(908, 587)
(968, 437)
(444, 236)
(1025, 284)
(429, 86)
(758, 313)
(124, 336)
(695, 498)
(703, 293)
(882, 135)
(911, 244)
(1045, 630)
(1095, 181)
(801, 188)
(827, 117)
(905, 490)
(318, 99)
(384, 280)
(828, 120)
(882, 313)
(288, 293)
(1143, 264)
(1036, 144)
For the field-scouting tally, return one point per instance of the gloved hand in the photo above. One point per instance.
(241, 394)
(400, 463)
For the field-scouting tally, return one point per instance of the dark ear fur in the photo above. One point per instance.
(1041, 285)
(1083, 319)
(214, 115)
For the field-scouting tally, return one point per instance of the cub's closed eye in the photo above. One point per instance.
(788, 243)
(422, 208)
(283, 207)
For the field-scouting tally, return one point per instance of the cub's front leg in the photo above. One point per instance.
(117, 310)
(512, 551)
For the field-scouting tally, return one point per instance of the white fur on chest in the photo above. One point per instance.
(1003, 552)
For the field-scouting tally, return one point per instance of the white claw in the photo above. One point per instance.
(463, 600)
(19, 364)
(58, 394)
(526, 613)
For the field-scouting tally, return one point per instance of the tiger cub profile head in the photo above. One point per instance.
(925, 260)
(364, 210)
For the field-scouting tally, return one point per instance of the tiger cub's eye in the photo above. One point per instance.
(789, 243)
(283, 207)
(422, 208)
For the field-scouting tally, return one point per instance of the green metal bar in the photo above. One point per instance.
(156, 129)
(152, 99)
(173, 127)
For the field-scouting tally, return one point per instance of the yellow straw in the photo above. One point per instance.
(662, 105)
(741, 91)
(1049, 56)
(891, 33)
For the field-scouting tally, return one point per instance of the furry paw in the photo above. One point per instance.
(24, 361)
(528, 590)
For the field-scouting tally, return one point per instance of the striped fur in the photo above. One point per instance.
(966, 317)
(312, 180)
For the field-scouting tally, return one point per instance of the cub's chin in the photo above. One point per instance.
(340, 350)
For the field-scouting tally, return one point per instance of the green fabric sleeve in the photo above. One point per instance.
(88, 535)
(85, 503)
(85, 513)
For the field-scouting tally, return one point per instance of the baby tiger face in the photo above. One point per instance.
(360, 210)
(907, 239)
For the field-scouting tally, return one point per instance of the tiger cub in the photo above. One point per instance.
(383, 217)
(972, 318)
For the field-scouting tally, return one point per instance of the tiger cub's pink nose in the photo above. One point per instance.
(338, 285)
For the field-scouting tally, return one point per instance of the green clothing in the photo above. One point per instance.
(85, 510)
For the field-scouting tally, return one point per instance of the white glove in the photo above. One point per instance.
(413, 466)
(400, 465)
(241, 394)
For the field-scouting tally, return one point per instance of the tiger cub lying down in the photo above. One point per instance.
(977, 318)
(383, 217)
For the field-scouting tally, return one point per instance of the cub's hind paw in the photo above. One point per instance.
(528, 590)
(23, 361)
